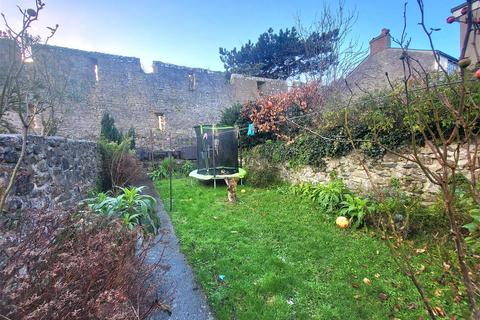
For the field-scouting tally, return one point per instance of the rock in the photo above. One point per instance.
(41, 166)
(65, 164)
(23, 184)
(14, 204)
(389, 165)
(11, 155)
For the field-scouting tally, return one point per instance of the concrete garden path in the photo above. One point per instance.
(187, 301)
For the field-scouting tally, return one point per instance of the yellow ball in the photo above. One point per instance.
(342, 222)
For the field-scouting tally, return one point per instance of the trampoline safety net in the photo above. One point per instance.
(217, 150)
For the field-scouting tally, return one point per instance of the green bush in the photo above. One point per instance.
(107, 150)
(473, 238)
(109, 131)
(231, 115)
(306, 149)
(131, 135)
(331, 197)
(162, 170)
(263, 175)
(187, 167)
(269, 151)
(469, 212)
(356, 208)
(335, 198)
(132, 207)
(408, 215)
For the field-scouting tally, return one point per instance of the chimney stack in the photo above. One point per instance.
(381, 42)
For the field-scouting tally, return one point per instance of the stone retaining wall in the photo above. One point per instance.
(56, 172)
(348, 168)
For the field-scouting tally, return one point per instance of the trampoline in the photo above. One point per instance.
(217, 153)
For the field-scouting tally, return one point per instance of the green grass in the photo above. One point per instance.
(283, 259)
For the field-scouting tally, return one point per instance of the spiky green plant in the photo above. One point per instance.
(132, 207)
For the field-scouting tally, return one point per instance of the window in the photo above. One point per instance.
(96, 72)
(451, 67)
(161, 121)
(260, 86)
(192, 82)
(95, 68)
(447, 64)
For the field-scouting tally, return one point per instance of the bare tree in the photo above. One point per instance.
(448, 121)
(20, 94)
(345, 52)
(447, 145)
(55, 87)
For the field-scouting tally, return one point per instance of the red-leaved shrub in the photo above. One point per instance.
(78, 266)
(270, 113)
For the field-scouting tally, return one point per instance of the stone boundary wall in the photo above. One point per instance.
(56, 172)
(411, 178)
(89, 84)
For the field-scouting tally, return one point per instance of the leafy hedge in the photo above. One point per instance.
(306, 149)
(377, 122)
(371, 126)
(262, 174)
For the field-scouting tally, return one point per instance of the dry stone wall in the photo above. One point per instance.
(56, 172)
(410, 176)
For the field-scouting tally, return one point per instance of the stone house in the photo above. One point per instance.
(370, 73)
(460, 17)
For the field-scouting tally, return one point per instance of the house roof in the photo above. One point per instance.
(370, 74)
(441, 53)
(460, 6)
(449, 57)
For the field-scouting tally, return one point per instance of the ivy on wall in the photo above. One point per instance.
(378, 122)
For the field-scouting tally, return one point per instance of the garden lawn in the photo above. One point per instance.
(274, 256)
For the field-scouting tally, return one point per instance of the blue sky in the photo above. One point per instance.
(189, 32)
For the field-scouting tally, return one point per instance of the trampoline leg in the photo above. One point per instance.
(214, 183)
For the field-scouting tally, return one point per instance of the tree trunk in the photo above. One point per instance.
(232, 189)
(4, 195)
